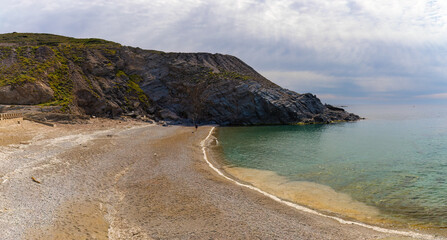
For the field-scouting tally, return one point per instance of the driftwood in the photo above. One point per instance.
(35, 180)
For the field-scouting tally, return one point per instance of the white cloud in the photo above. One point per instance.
(386, 84)
(371, 45)
(434, 96)
(322, 24)
(331, 98)
(300, 79)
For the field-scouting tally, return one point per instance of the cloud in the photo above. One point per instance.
(342, 99)
(346, 47)
(300, 79)
(434, 96)
(387, 84)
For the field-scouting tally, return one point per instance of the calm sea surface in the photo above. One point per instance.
(395, 161)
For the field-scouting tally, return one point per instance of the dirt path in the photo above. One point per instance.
(110, 180)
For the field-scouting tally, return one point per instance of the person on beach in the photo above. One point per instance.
(195, 125)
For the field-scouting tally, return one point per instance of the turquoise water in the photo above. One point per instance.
(395, 160)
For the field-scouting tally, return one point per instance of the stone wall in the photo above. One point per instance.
(10, 118)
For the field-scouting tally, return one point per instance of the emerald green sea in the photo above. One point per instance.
(395, 161)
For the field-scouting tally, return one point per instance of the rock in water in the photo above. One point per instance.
(102, 78)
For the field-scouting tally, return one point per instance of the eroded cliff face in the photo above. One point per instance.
(97, 77)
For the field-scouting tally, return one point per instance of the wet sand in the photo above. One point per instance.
(313, 195)
(129, 180)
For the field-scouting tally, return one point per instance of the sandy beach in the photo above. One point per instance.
(112, 179)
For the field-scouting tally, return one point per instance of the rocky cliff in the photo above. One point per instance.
(98, 77)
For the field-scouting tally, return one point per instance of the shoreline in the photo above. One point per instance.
(123, 180)
(219, 170)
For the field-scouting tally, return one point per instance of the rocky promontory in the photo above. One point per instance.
(102, 78)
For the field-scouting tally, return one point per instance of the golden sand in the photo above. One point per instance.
(312, 195)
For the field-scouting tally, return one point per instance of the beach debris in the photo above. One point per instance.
(35, 180)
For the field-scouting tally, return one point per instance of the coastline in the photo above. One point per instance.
(126, 180)
(225, 173)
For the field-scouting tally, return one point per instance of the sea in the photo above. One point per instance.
(389, 169)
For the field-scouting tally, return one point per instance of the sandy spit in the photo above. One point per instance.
(128, 180)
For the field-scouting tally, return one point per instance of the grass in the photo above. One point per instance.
(131, 87)
(44, 39)
(26, 68)
(20, 63)
(120, 73)
(134, 88)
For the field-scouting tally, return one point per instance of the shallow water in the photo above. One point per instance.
(388, 169)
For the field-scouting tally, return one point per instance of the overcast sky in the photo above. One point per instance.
(345, 51)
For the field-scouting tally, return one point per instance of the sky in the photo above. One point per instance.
(344, 51)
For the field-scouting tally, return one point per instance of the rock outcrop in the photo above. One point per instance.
(27, 93)
(97, 77)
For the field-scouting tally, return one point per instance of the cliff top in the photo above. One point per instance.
(45, 39)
